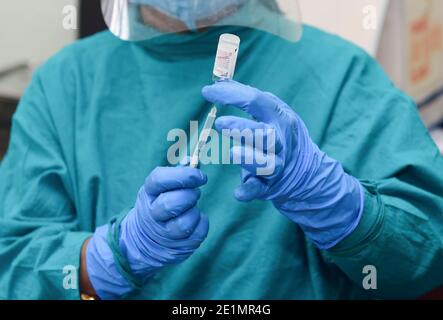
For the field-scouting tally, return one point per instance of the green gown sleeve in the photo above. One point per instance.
(380, 138)
(40, 243)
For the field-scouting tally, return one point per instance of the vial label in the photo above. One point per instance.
(226, 59)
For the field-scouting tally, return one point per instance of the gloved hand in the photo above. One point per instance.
(164, 228)
(306, 186)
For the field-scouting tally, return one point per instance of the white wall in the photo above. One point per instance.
(345, 18)
(32, 30)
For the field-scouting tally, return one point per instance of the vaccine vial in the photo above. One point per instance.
(226, 57)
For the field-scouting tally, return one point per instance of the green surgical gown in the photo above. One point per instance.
(94, 123)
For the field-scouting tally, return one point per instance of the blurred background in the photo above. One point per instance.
(405, 36)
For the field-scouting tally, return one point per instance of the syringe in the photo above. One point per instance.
(204, 136)
(224, 68)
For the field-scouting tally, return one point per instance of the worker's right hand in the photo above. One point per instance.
(164, 228)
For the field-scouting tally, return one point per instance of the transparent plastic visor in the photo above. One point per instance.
(139, 20)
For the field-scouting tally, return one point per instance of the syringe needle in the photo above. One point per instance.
(204, 136)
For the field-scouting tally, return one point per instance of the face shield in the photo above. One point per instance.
(141, 20)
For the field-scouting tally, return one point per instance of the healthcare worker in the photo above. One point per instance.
(86, 185)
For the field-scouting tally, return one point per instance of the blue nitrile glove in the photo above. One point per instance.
(164, 228)
(306, 186)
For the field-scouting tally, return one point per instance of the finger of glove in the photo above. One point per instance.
(172, 204)
(200, 232)
(251, 189)
(164, 179)
(184, 225)
(188, 245)
(194, 240)
(262, 106)
(244, 131)
(255, 161)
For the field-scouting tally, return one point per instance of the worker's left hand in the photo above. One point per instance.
(305, 184)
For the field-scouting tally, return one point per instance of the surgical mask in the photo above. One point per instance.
(190, 11)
